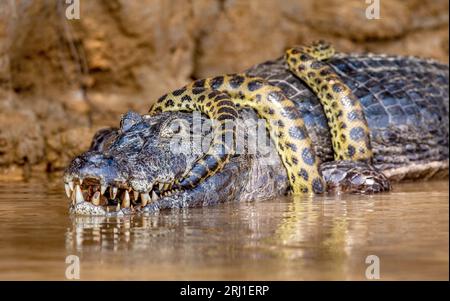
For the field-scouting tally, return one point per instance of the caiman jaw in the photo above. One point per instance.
(90, 197)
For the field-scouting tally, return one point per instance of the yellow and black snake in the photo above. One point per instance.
(349, 129)
(219, 98)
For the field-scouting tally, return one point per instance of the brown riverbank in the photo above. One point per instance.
(60, 79)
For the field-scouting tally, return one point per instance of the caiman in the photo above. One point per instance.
(336, 122)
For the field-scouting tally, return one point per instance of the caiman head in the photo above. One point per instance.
(128, 168)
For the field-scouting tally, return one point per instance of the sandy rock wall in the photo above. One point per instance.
(61, 79)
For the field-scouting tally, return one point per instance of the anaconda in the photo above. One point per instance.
(404, 101)
(349, 129)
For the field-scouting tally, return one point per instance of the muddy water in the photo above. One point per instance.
(301, 238)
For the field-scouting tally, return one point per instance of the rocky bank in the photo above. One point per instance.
(62, 79)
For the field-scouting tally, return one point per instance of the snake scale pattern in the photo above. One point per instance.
(357, 122)
(220, 97)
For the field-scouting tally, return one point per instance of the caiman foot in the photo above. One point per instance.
(353, 177)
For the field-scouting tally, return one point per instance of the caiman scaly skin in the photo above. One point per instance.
(405, 104)
(349, 129)
(218, 106)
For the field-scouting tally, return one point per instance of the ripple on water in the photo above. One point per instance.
(321, 237)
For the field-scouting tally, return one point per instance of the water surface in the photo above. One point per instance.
(326, 237)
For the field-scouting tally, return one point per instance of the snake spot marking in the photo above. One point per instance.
(339, 122)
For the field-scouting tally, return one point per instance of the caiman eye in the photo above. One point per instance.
(129, 142)
(173, 128)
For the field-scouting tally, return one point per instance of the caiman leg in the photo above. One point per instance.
(349, 129)
(284, 121)
(219, 107)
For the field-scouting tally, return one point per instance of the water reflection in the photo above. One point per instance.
(287, 238)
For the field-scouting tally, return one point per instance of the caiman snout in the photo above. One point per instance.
(101, 167)
(99, 184)
(92, 181)
(128, 168)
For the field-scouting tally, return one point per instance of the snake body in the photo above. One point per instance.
(348, 125)
(219, 98)
(402, 100)
(217, 106)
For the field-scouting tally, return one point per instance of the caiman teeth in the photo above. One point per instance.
(145, 198)
(95, 193)
(73, 198)
(126, 200)
(68, 190)
(135, 195)
(113, 192)
(96, 198)
(170, 192)
(78, 194)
